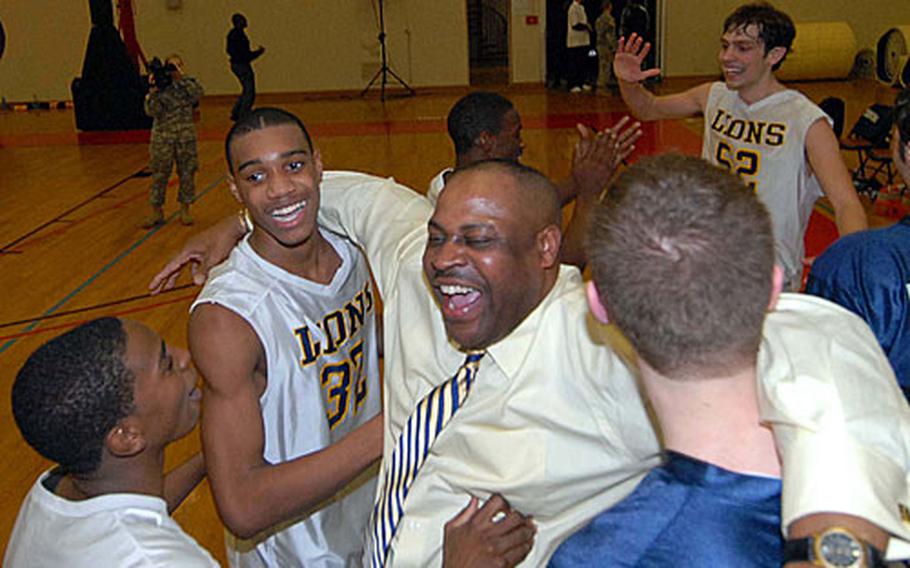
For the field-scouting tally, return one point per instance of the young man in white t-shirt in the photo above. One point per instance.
(103, 401)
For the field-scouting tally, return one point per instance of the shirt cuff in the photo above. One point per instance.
(834, 474)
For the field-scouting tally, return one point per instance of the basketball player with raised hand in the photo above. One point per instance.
(775, 138)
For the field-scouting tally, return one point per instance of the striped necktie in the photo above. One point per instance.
(419, 432)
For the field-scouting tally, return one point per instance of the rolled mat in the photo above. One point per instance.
(821, 50)
(902, 77)
(891, 52)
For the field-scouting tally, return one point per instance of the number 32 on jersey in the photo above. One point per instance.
(342, 380)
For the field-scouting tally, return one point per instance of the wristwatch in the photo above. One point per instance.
(834, 548)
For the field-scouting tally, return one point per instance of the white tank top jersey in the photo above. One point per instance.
(765, 144)
(323, 382)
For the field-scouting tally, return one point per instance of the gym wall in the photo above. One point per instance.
(326, 45)
(316, 45)
(694, 26)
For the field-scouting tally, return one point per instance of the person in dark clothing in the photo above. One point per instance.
(238, 49)
(578, 43)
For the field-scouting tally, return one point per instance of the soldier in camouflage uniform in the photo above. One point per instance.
(605, 27)
(173, 140)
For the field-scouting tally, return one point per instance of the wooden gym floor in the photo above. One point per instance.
(71, 248)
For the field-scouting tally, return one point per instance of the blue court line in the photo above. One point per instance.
(104, 269)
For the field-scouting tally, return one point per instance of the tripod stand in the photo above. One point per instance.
(384, 70)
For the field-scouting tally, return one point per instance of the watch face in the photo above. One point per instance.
(840, 549)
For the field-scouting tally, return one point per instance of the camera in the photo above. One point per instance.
(902, 118)
(162, 73)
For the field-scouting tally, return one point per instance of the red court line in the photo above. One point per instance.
(76, 207)
(69, 224)
(114, 137)
(344, 128)
(121, 313)
(75, 138)
(669, 136)
(28, 241)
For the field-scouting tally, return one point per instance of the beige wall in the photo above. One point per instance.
(315, 45)
(693, 26)
(324, 45)
(528, 42)
(45, 46)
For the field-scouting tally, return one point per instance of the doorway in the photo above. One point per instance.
(488, 42)
(641, 16)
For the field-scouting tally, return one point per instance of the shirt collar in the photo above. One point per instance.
(510, 352)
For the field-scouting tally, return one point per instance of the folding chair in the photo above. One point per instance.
(835, 108)
(869, 138)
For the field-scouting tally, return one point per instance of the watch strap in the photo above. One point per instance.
(801, 550)
(797, 550)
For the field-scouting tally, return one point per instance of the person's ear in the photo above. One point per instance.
(775, 55)
(485, 142)
(777, 286)
(595, 303)
(549, 240)
(232, 185)
(125, 439)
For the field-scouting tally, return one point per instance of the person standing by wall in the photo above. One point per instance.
(578, 41)
(238, 49)
(605, 29)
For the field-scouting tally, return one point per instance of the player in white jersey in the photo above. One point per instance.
(775, 138)
(284, 334)
(765, 144)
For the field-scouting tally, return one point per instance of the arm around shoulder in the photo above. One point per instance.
(840, 423)
(379, 214)
(202, 251)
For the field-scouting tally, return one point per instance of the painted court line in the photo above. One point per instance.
(76, 207)
(145, 308)
(84, 309)
(91, 279)
(319, 129)
(12, 247)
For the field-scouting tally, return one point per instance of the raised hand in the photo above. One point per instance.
(598, 154)
(625, 135)
(628, 59)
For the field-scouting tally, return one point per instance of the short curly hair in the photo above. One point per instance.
(473, 114)
(72, 391)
